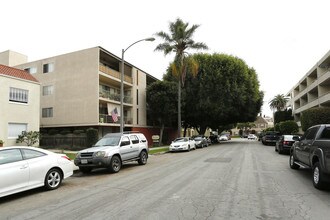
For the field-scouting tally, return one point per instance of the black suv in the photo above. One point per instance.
(270, 137)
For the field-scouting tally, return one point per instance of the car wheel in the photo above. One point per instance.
(115, 164)
(53, 179)
(188, 148)
(143, 158)
(318, 179)
(275, 148)
(280, 151)
(292, 163)
(85, 169)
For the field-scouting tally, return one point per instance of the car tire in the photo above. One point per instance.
(85, 169)
(53, 179)
(188, 148)
(115, 164)
(292, 163)
(276, 149)
(143, 158)
(318, 176)
(280, 151)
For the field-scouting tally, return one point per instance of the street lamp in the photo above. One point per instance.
(122, 82)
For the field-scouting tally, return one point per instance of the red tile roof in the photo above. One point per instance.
(17, 73)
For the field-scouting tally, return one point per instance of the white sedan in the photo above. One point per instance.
(24, 168)
(182, 144)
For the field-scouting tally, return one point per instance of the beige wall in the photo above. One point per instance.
(11, 112)
(141, 85)
(11, 58)
(75, 80)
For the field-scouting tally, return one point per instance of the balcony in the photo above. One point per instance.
(115, 97)
(114, 73)
(103, 118)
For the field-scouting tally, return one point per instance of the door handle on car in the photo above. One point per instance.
(24, 167)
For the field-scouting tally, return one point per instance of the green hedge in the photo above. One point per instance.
(92, 136)
(315, 116)
(288, 127)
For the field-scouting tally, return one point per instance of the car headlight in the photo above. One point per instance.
(100, 154)
(184, 145)
(77, 155)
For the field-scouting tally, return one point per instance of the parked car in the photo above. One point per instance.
(200, 141)
(284, 143)
(312, 150)
(182, 144)
(223, 138)
(24, 168)
(252, 137)
(112, 151)
(214, 139)
(270, 137)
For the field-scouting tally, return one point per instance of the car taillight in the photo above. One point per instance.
(66, 157)
(286, 142)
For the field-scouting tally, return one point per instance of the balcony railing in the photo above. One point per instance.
(114, 73)
(103, 118)
(115, 97)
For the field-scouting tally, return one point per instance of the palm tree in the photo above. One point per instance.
(179, 40)
(278, 103)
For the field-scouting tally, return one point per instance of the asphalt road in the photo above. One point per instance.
(238, 179)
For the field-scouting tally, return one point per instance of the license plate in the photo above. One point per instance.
(84, 161)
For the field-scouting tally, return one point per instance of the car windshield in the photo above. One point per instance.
(198, 138)
(108, 141)
(181, 140)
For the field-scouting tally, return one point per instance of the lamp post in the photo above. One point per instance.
(122, 82)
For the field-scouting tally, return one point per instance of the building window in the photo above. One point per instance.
(48, 68)
(18, 95)
(31, 70)
(15, 129)
(137, 116)
(47, 112)
(47, 90)
(137, 77)
(137, 97)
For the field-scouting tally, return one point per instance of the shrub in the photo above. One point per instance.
(53, 132)
(288, 127)
(92, 136)
(315, 116)
(78, 131)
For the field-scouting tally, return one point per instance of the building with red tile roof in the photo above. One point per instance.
(19, 104)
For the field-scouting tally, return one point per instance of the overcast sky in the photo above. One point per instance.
(281, 39)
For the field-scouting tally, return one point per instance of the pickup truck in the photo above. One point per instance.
(312, 150)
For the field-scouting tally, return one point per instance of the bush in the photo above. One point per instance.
(65, 132)
(92, 136)
(53, 132)
(315, 116)
(288, 127)
(78, 131)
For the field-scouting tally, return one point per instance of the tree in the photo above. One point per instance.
(161, 107)
(28, 137)
(285, 115)
(224, 91)
(278, 103)
(288, 127)
(179, 40)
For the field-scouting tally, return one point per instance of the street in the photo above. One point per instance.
(237, 179)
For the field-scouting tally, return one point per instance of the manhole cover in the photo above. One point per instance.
(218, 160)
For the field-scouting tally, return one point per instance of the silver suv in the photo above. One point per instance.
(112, 150)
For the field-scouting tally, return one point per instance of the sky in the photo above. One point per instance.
(281, 39)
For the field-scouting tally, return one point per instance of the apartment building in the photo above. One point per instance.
(19, 103)
(82, 89)
(313, 90)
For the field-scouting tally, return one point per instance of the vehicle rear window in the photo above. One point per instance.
(29, 154)
(325, 133)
